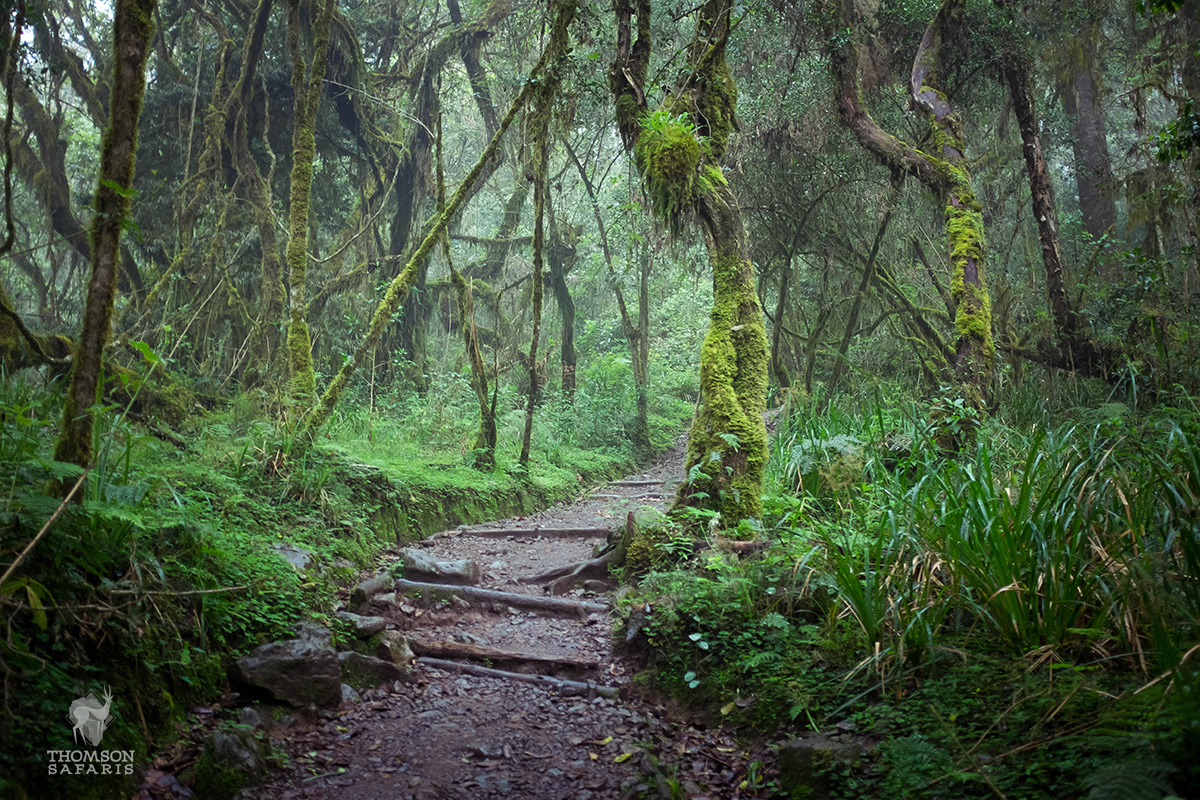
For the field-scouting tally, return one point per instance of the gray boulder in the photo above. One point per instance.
(420, 566)
(301, 671)
(805, 764)
(297, 556)
(366, 672)
(394, 647)
(363, 627)
(231, 760)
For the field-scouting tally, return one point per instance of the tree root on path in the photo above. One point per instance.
(565, 577)
(564, 686)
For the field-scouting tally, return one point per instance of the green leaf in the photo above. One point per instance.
(148, 354)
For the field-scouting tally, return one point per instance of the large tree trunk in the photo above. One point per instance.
(561, 257)
(132, 29)
(1089, 135)
(303, 382)
(727, 446)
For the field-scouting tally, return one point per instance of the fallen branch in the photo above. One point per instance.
(467, 650)
(17, 561)
(550, 605)
(564, 686)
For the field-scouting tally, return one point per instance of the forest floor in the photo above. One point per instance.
(445, 734)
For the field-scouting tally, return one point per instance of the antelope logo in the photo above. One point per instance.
(90, 717)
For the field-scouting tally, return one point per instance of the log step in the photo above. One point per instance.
(636, 483)
(562, 685)
(448, 650)
(500, 533)
(551, 605)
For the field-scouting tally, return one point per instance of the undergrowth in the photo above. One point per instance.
(184, 553)
(1019, 619)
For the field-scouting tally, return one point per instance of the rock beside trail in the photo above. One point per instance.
(301, 671)
(420, 566)
(805, 764)
(363, 627)
(366, 672)
(231, 760)
(394, 647)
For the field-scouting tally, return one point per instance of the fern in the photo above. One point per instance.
(1145, 777)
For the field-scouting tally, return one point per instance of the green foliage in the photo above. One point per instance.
(961, 604)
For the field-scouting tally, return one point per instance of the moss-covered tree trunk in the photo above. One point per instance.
(132, 29)
(942, 168)
(560, 256)
(302, 386)
(678, 150)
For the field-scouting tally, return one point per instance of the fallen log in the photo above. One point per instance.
(586, 533)
(551, 605)
(564, 686)
(467, 650)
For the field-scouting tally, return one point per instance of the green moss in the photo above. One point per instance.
(717, 104)
(303, 386)
(728, 440)
(668, 156)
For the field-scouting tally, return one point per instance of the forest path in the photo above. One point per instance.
(448, 734)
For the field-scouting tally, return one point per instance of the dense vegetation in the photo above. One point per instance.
(383, 267)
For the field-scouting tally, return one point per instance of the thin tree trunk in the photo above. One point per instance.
(539, 125)
(840, 363)
(633, 333)
(561, 257)
(303, 383)
(132, 30)
(778, 369)
(641, 360)
(400, 285)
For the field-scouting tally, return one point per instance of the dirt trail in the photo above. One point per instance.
(450, 735)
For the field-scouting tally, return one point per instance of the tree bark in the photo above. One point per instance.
(727, 446)
(302, 379)
(1089, 135)
(132, 29)
(560, 256)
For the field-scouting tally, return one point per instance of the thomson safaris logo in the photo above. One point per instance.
(90, 717)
